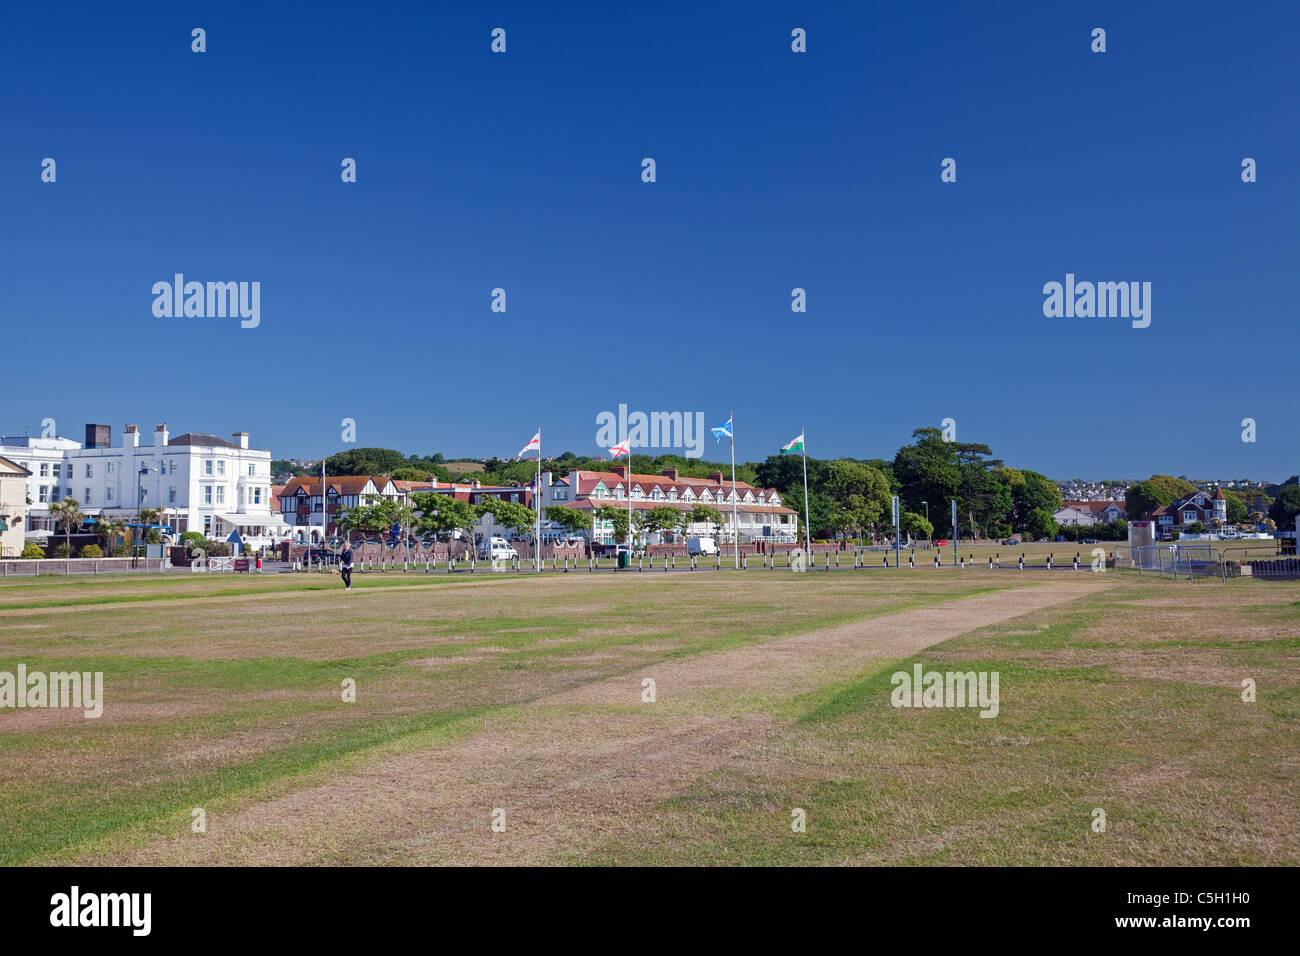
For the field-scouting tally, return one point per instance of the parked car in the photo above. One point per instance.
(1009, 542)
(701, 546)
(1089, 541)
(497, 549)
(320, 556)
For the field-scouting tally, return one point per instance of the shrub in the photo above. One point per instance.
(191, 539)
(91, 551)
(63, 550)
(119, 550)
(33, 552)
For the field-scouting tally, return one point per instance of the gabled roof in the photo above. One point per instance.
(12, 467)
(343, 485)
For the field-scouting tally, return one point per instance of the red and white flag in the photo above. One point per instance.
(622, 448)
(534, 445)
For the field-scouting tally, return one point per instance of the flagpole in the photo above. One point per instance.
(735, 524)
(324, 515)
(629, 511)
(537, 503)
(807, 531)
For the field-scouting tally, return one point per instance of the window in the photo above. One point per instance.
(45, 469)
(86, 497)
(171, 495)
(111, 467)
(67, 492)
(257, 496)
(90, 470)
(207, 467)
(1189, 515)
(108, 494)
(44, 496)
(251, 470)
(207, 494)
(207, 523)
(221, 467)
(221, 494)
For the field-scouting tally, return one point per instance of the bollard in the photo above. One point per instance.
(828, 560)
(1076, 562)
(744, 562)
(1049, 562)
(936, 560)
(566, 564)
(837, 559)
(990, 562)
(674, 562)
(963, 563)
(718, 558)
(449, 565)
(638, 564)
(998, 559)
(1022, 562)
(884, 562)
(911, 560)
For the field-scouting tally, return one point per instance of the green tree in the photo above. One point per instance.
(1285, 507)
(571, 520)
(700, 514)
(67, 515)
(1144, 498)
(511, 514)
(442, 514)
(1041, 524)
(659, 520)
(365, 461)
(616, 515)
(1236, 509)
(928, 470)
(916, 525)
(113, 528)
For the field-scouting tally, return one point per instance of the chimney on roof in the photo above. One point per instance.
(160, 435)
(620, 470)
(241, 439)
(99, 436)
(669, 473)
(715, 476)
(130, 437)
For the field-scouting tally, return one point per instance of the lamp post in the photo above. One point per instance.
(928, 536)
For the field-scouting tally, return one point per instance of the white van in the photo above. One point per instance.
(497, 549)
(701, 546)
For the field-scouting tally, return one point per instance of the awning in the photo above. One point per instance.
(248, 521)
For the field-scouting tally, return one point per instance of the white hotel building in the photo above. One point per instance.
(201, 482)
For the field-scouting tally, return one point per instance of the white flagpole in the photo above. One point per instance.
(629, 510)
(735, 525)
(807, 530)
(537, 503)
(324, 514)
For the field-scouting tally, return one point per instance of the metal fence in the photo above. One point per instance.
(1176, 560)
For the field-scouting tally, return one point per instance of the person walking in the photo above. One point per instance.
(345, 567)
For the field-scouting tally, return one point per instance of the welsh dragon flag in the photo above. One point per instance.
(793, 446)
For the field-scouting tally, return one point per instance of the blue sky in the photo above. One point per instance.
(775, 170)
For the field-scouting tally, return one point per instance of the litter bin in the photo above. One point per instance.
(623, 557)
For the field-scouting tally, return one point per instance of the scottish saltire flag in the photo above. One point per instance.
(534, 445)
(722, 431)
(794, 445)
(622, 448)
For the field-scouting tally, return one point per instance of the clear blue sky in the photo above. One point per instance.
(775, 170)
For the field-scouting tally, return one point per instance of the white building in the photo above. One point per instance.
(201, 482)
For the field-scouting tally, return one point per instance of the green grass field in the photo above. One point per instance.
(520, 699)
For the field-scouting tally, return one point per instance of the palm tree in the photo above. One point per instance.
(110, 529)
(67, 513)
